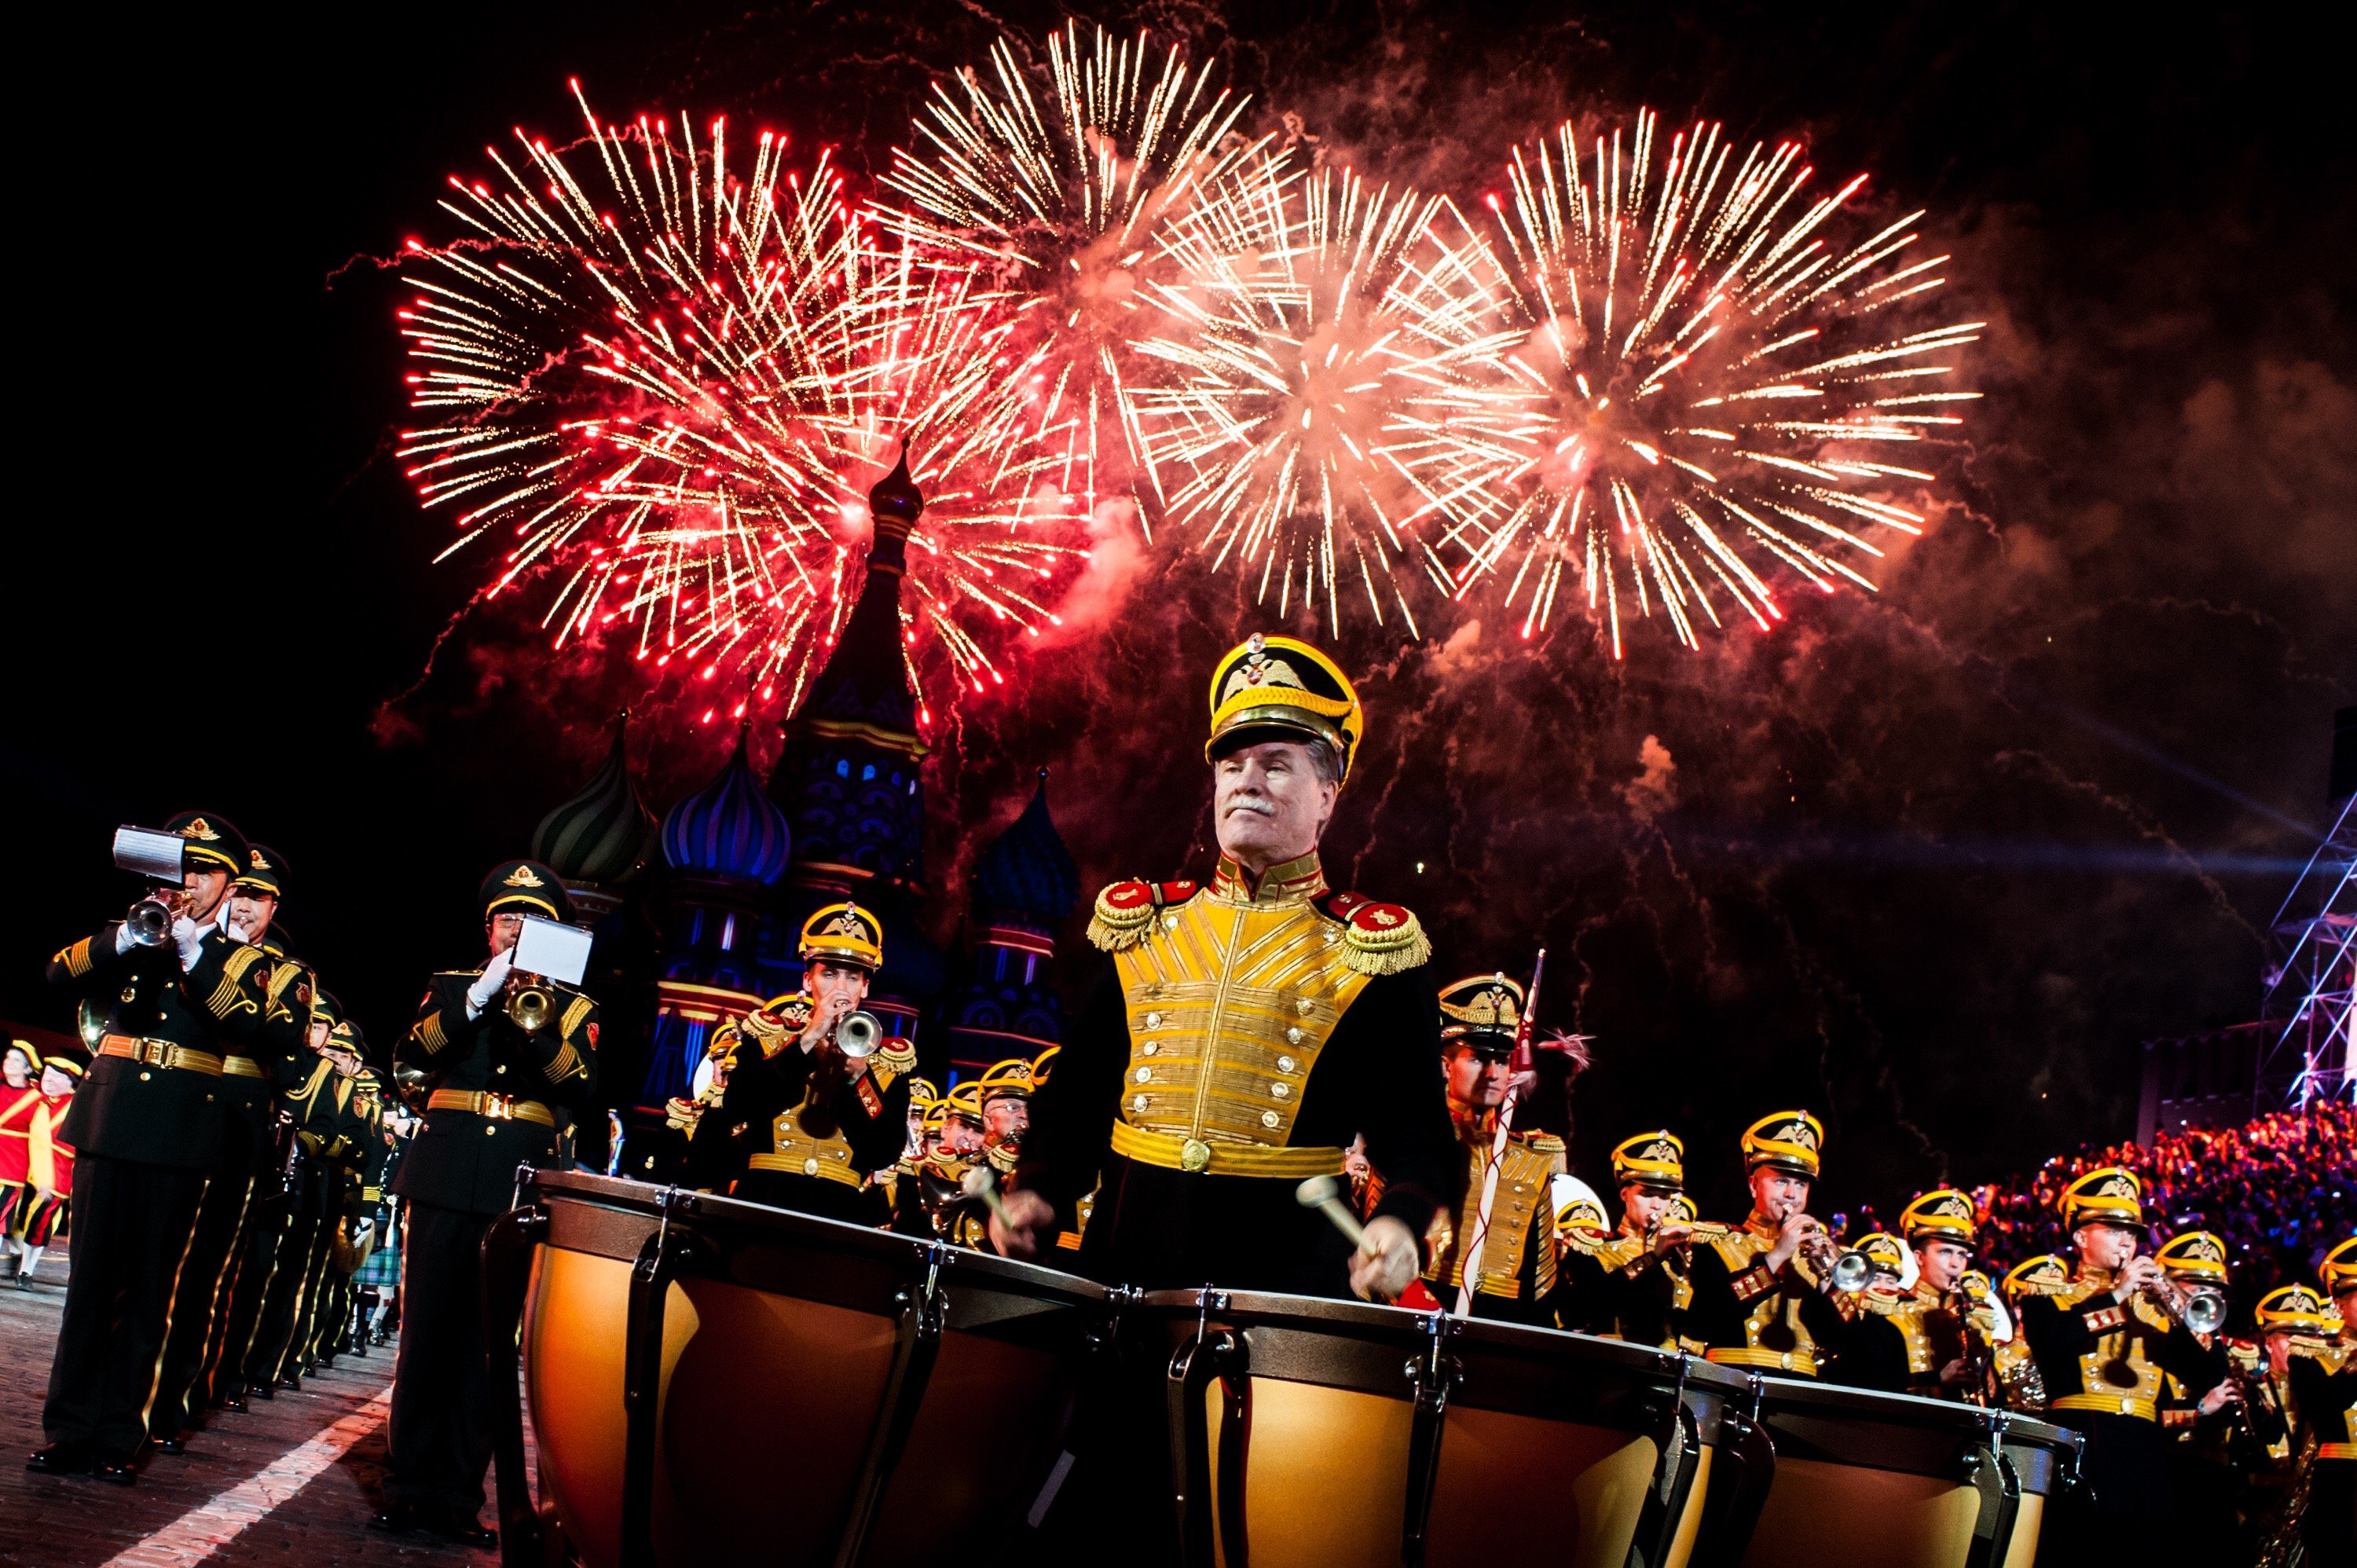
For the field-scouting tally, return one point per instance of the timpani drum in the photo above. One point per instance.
(715, 1382)
(1893, 1481)
(1311, 1434)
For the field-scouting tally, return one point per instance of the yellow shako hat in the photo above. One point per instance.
(1943, 1214)
(1788, 1140)
(1651, 1159)
(2111, 1196)
(2200, 1254)
(844, 933)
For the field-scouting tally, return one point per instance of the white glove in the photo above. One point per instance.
(494, 980)
(124, 940)
(190, 937)
(1385, 1262)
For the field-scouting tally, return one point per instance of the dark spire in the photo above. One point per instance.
(601, 834)
(1026, 871)
(862, 692)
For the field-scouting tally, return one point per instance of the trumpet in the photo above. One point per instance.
(530, 1005)
(150, 920)
(1680, 1257)
(1847, 1272)
(2196, 1312)
(857, 1035)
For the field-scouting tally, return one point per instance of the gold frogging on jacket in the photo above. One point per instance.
(1525, 1180)
(1232, 993)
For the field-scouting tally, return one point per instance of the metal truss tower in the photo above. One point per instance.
(2308, 1029)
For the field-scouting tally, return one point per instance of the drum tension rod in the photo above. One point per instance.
(1431, 1374)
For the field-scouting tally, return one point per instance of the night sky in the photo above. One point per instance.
(1932, 863)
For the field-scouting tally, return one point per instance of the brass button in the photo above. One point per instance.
(130, 993)
(810, 1166)
(1270, 1119)
(1146, 1075)
(501, 1068)
(1138, 1103)
(1280, 1090)
(1194, 1155)
(1154, 1020)
(1170, 922)
(1151, 1048)
(1285, 1064)
(1293, 1036)
(145, 1077)
(490, 1132)
(1302, 1007)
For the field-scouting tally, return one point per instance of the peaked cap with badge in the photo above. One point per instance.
(209, 840)
(527, 887)
(2110, 1196)
(843, 933)
(2041, 1275)
(1483, 1011)
(2194, 1255)
(1655, 1160)
(2296, 1309)
(1009, 1079)
(1943, 1214)
(265, 869)
(1204, 1049)
(1788, 1140)
(2339, 1271)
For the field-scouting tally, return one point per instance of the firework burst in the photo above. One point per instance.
(1067, 206)
(1325, 338)
(667, 387)
(1711, 385)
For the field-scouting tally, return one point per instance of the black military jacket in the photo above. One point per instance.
(467, 1162)
(278, 1046)
(129, 1110)
(1779, 1322)
(1622, 1289)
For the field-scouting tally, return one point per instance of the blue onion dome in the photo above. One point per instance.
(1027, 871)
(605, 830)
(729, 828)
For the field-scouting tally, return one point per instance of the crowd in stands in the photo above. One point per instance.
(2281, 1189)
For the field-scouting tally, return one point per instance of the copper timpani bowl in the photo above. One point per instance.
(1893, 1481)
(715, 1382)
(1334, 1435)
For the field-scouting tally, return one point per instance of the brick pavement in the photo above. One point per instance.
(256, 1459)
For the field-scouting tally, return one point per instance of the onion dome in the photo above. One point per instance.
(729, 828)
(603, 831)
(1026, 871)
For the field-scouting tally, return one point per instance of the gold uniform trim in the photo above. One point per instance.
(1524, 1181)
(2109, 1404)
(1175, 1153)
(795, 1151)
(1742, 1251)
(1795, 1360)
(492, 1107)
(241, 1066)
(428, 1033)
(576, 1011)
(160, 1053)
(1229, 1002)
(76, 959)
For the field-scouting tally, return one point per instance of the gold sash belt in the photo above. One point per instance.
(1173, 1153)
(241, 1066)
(497, 1107)
(806, 1164)
(2109, 1404)
(160, 1053)
(1800, 1361)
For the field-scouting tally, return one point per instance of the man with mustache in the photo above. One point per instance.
(1244, 1030)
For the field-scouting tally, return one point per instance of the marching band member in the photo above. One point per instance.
(2203, 1425)
(1633, 1285)
(1244, 1030)
(20, 1097)
(671, 1156)
(251, 1078)
(1006, 1112)
(2321, 1367)
(49, 1177)
(1762, 1295)
(145, 1129)
(815, 1122)
(1931, 1337)
(492, 1083)
(2103, 1344)
(1481, 1017)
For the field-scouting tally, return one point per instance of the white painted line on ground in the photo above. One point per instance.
(206, 1528)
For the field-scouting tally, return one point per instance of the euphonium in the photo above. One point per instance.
(530, 1005)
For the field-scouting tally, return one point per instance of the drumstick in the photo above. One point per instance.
(1324, 1192)
(978, 1182)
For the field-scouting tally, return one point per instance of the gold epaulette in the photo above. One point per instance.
(1125, 911)
(1711, 1230)
(1614, 1252)
(1540, 1143)
(894, 1059)
(1377, 939)
(1884, 1304)
(774, 1031)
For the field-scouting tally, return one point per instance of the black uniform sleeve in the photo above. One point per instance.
(83, 966)
(568, 1054)
(1873, 1355)
(876, 1136)
(1401, 1102)
(441, 1022)
(1071, 1115)
(763, 1086)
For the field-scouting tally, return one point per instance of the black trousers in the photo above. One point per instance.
(2124, 1503)
(283, 1307)
(232, 1342)
(133, 1227)
(441, 1437)
(204, 1286)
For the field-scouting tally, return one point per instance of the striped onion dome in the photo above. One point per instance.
(1027, 871)
(729, 828)
(604, 831)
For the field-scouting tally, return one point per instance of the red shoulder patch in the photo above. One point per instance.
(1339, 906)
(1175, 892)
(1379, 919)
(1128, 896)
(592, 1032)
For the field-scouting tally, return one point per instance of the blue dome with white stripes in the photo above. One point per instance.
(729, 828)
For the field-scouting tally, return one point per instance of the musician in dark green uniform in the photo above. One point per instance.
(314, 1108)
(2102, 1345)
(1762, 1297)
(1241, 1032)
(813, 1122)
(1633, 1284)
(253, 1077)
(494, 1086)
(147, 1128)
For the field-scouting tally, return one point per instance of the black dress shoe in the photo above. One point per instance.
(236, 1402)
(118, 1472)
(59, 1459)
(262, 1392)
(398, 1519)
(466, 1529)
(292, 1383)
(175, 1444)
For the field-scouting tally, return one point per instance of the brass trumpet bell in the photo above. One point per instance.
(530, 1006)
(857, 1035)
